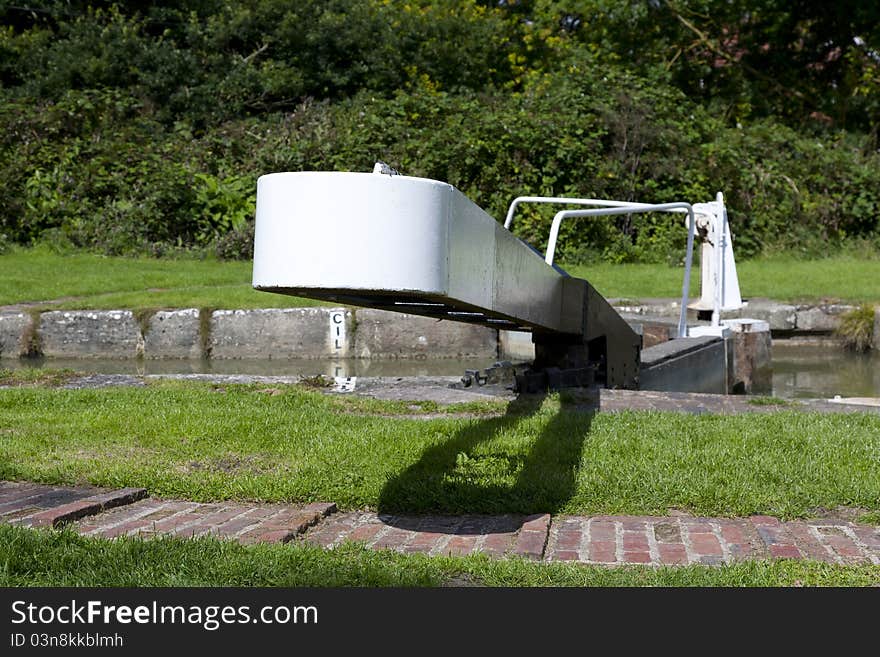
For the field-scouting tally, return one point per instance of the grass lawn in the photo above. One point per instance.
(783, 278)
(207, 442)
(47, 558)
(86, 281)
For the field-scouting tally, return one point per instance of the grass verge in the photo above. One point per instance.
(87, 281)
(783, 278)
(28, 376)
(48, 558)
(210, 442)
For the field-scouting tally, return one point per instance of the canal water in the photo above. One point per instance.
(823, 370)
(800, 369)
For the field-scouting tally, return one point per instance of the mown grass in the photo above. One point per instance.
(207, 442)
(49, 558)
(783, 278)
(35, 376)
(87, 281)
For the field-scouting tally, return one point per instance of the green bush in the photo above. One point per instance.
(143, 128)
(856, 328)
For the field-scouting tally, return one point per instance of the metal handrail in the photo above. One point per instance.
(615, 208)
(636, 209)
(561, 200)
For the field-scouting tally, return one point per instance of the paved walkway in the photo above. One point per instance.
(437, 389)
(606, 540)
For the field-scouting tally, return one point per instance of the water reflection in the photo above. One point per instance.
(823, 370)
(799, 369)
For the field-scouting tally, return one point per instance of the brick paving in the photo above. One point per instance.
(246, 523)
(37, 505)
(606, 540)
(496, 536)
(680, 540)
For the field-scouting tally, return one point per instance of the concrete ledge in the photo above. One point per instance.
(780, 316)
(783, 317)
(337, 333)
(90, 334)
(173, 334)
(821, 319)
(384, 334)
(283, 333)
(12, 328)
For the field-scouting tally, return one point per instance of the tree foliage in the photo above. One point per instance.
(141, 127)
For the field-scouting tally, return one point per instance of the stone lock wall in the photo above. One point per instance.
(275, 333)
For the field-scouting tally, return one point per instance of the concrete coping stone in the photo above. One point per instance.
(745, 325)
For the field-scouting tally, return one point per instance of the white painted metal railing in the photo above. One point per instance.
(610, 208)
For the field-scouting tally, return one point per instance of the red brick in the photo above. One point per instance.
(292, 518)
(87, 506)
(603, 552)
(497, 544)
(460, 545)
(602, 531)
(478, 525)
(241, 523)
(807, 542)
(768, 521)
(633, 525)
(571, 524)
(324, 538)
(732, 533)
(636, 557)
(18, 493)
(870, 536)
(321, 508)
(530, 544)
(844, 546)
(392, 539)
(160, 510)
(208, 524)
(741, 550)
(365, 532)
(635, 542)
(565, 555)
(21, 516)
(781, 551)
(672, 553)
(109, 519)
(175, 522)
(44, 498)
(536, 523)
(568, 540)
(425, 539)
(441, 525)
(705, 545)
(271, 536)
(697, 525)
